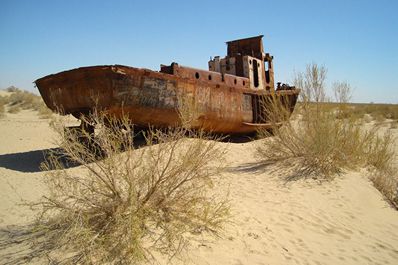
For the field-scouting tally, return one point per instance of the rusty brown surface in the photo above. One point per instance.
(249, 46)
(226, 103)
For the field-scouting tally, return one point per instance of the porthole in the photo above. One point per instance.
(197, 75)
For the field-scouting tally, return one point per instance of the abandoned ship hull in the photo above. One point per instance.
(225, 103)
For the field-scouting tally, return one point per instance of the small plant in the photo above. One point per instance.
(121, 208)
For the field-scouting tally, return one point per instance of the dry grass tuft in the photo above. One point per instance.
(376, 111)
(324, 144)
(386, 181)
(122, 208)
(44, 112)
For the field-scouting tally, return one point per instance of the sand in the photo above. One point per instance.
(345, 221)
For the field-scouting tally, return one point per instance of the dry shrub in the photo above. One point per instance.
(388, 111)
(12, 89)
(25, 100)
(312, 83)
(394, 125)
(342, 92)
(44, 112)
(1, 111)
(379, 149)
(386, 181)
(121, 208)
(323, 144)
(367, 118)
(3, 102)
(378, 111)
(19, 99)
(13, 109)
(379, 118)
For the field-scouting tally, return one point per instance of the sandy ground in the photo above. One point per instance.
(345, 221)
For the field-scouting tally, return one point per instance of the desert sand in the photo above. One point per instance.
(345, 221)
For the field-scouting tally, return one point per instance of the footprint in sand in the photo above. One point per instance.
(253, 235)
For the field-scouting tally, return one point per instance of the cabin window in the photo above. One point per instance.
(197, 75)
(255, 75)
(267, 78)
(267, 65)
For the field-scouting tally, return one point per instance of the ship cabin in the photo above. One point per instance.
(246, 66)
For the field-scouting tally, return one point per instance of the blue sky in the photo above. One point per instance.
(356, 40)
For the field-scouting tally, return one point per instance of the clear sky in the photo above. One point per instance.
(357, 40)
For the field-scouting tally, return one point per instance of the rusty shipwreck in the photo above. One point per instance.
(229, 95)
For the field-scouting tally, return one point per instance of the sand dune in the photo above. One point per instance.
(345, 221)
